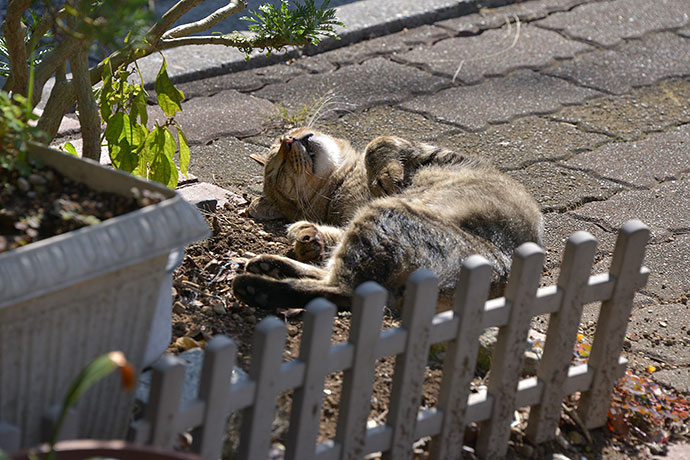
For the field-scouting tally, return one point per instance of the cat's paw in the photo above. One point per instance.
(252, 290)
(309, 242)
(389, 180)
(271, 266)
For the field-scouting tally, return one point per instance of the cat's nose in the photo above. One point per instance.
(287, 140)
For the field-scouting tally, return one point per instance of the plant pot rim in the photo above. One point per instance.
(87, 448)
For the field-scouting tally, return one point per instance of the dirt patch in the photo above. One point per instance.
(204, 306)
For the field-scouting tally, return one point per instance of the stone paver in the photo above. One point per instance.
(500, 99)
(494, 53)
(656, 332)
(665, 209)
(630, 116)
(354, 87)
(559, 226)
(680, 380)
(227, 113)
(557, 189)
(492, 18)
(637, 63)
(609, 23)
(238, 171)
(669, 279)
(523, 141)
(629, 162)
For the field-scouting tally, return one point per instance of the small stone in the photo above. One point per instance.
(526, 450)
(251, 319)
(206, 310)
(292, 330)
(576, 438)
(37, 179)
(23, 184)
(179, 308)
(219, 309)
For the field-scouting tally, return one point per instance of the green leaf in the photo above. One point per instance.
(69, 148)
(184, 151)
(153, 145)
(168, 96)
(115, 126)
(169, 145)
(139, 108)
(163, 170)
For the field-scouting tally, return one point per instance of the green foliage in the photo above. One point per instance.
(132, 146)
(300, 26)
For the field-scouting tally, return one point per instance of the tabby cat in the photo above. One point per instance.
(380, 215)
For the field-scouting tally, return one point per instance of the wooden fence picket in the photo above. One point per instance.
(355, 397)
(419, 307)
(508, 355)
(461, 357)
(561, 336)
(215, 391)
(265, 370)
(305, 414)
(613, 319)
(222, 392)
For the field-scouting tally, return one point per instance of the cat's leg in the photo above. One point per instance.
(312, 241)
(385, 168)
(280, 267)
(268, 293)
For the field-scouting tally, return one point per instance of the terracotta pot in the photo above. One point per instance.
(89, 448)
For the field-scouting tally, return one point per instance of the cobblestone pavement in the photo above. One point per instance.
(585, 102)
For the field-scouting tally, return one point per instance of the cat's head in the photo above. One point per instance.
(296, 169)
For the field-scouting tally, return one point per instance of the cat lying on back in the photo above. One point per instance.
(380, 215)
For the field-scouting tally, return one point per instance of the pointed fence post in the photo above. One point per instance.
(215, 391)
(315, 347)
(561, 336)
(419, 308)
(461, 357)
(613, 320)
(355, 399)
(265, 371)
(508, 355)
(164, 400)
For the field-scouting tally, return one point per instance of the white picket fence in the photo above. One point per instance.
(461, 327)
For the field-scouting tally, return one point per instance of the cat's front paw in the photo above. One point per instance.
(309, 242)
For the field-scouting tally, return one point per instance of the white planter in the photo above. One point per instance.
(72, 297)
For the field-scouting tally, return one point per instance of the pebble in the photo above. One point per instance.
(37, 179)
(576, 438)
(251, 319)
(206, 310)
(526, 450)
(219, 309)
(23, 184)
(179, 308)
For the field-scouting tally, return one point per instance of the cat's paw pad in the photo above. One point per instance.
(245, 290)
(265, 265)
(309, 245)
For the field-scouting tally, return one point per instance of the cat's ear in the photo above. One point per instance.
(259, 158)
(263, 209)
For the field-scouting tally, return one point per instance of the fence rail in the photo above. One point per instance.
(269, 376)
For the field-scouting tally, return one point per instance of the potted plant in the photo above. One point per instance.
(104, 284)
(81, 449)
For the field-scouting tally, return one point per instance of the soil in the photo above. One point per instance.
(204, 306)
(40, 202)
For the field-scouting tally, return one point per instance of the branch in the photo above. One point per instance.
(234, 6)
(170, 17)
(52, 61)
(235, 40)
(14, 31)
(61, 99)
(89, 117)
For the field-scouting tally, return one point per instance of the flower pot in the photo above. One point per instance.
(69, 298)
(89, 448)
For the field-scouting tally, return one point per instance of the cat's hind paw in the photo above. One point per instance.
(309, 242)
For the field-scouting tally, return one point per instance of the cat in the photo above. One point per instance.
(380, 215)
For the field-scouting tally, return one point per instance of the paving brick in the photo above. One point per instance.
(360, 52)
(661, 156)
(637, 63)
(609, 23)
(245, 80)
(228, 113)
(657, 333)
(523, 141)
(500, 99)
(557, 189)
(226, 163)
(376, 81)
(361, 128)
(630, 116)
(679, 380)
(494, 53)
(685, 32)
(492, 18)
(559, 226)
(660, 208)
(669, 279)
